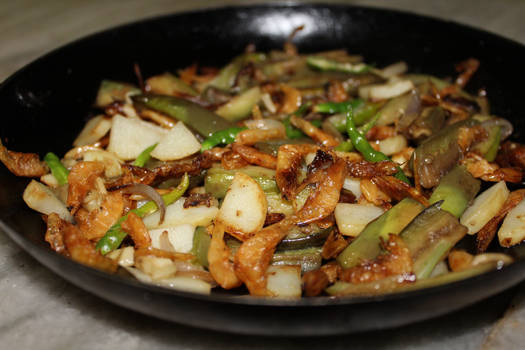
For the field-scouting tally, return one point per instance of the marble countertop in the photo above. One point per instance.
(39, 310)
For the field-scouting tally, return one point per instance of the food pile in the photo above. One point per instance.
(286, 174)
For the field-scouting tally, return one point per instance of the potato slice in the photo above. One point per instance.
(176, 215)
(284, 281)
(130, 136)
(124, 256)
(155, 267)
(40, 198)
(94, 130)
(512, 231)
(178, 143)
(178, 238)
(244, 208)
(111, 162)
(352, 218)
(485, 207)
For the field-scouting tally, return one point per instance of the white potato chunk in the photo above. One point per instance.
(178, 238)
(512, 231)
(244, 208)
(353, 185)
(181, 237)
(40, 198)
(111, 162)
(94, 130)
(176, 215)
(159, 239)
(155, 267)
(392, 145)
(130, 136)
(186, 284)
(352, 218)
(124, 256)
(49, 180)
(485, 207)
(284, 281)
(178, 143)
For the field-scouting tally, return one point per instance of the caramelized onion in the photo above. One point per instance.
(148, 192)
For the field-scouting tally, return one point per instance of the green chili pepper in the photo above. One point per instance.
(337, 107)
(58, 170)
(223, 137)
(363, 129)
(115, 235)
(363, 146)
(345, 146)
(144, 156)
(291, 131)
(326, 64)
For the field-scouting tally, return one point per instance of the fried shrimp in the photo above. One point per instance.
(220, 266)
(81, 179)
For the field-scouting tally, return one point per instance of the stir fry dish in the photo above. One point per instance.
(286, 175)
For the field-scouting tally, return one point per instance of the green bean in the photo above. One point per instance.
(291, 131)
(363, 146)
(115, 235)
(144, 156)
(58, 170)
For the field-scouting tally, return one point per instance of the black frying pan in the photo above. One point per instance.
(45, 104)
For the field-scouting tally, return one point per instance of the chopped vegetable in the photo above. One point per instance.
(326, 64)
(115, 235)
(222, 137)
(196, 117)
(58, 170)
(144, 156)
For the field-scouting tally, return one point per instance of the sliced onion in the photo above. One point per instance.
(392, 70)
(329, 128)
(264, 124)
(268, 103)
(148, 192)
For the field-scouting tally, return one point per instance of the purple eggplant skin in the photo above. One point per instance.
(431, 120)
(438, 154)
(430, 237)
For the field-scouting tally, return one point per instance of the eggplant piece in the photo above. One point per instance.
(488, 148)
(456, 189)
(309, 259)
(367, 245)
(439, 153)
(430, 120)
(302, 240)
(403, 109)
(429, 238)
(196, 117)
(218, 180)
(392, 285)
